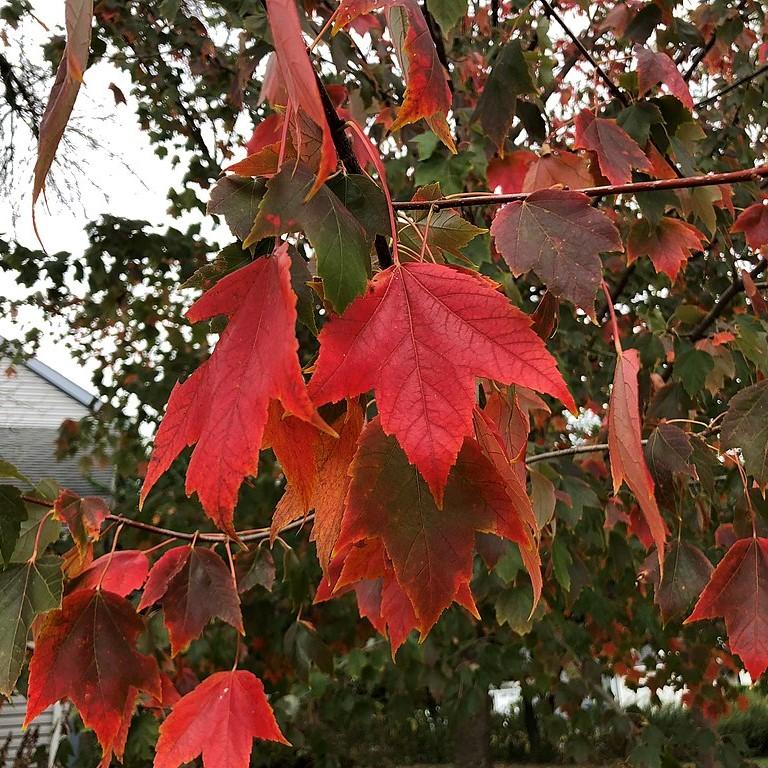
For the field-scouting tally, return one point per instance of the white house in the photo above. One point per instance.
(34, 401)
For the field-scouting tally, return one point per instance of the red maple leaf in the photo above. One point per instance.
(366, 569)
(494, 447)
(669, 245)
(427, 94)
(93, 631)
(223, 405)
(331, 458)
(300, 80)
(218, 720)
(617, 153)
(83, 516)
(294, 442)
(558, 235)
(753, 222)
(194, 586)
(738, 591)
(430, 549)
(508, 173)
(653, 68)
(509, 411)
(625, 445)
(564, 168)
(419, 337)
(267, 132)
(118, 572)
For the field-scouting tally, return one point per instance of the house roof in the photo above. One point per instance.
(32, 451)
(53, 377)
(33, 408)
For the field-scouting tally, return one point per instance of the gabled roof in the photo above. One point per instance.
(53, 377)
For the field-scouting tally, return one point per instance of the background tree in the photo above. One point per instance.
(634, 109)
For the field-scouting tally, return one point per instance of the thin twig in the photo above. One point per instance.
(725, 299)
(728, 88)
(612, 87)
(699, 57)
(572, 451)
(252, 534)
(349, 160)
(655, 185)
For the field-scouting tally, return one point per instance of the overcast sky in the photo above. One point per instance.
(132, 183)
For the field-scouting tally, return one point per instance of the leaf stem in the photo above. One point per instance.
(612, 315)
(40, 525)
(111, 554)
(376, 159)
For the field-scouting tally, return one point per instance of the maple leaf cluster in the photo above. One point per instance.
(403, 428)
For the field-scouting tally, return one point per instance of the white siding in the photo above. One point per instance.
(12, 714)
(28, 400)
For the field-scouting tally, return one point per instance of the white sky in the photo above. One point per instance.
(132, 183)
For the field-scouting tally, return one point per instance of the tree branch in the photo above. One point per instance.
(572, 451)
(699, 57)
(576, 40)
(14, 87)
(656, 185)
(733, 86)
(259, 534)
(349, 160)
(253, 534)
(733, 290)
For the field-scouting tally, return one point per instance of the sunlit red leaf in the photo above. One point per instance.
(267, 132)
(419, 326)
(300, 79)
(223, 405)
(218, 720)
(427, 94)
(118, 572)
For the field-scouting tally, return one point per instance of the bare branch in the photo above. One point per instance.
(656, 185)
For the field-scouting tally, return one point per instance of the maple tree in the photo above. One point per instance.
(449, 252)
